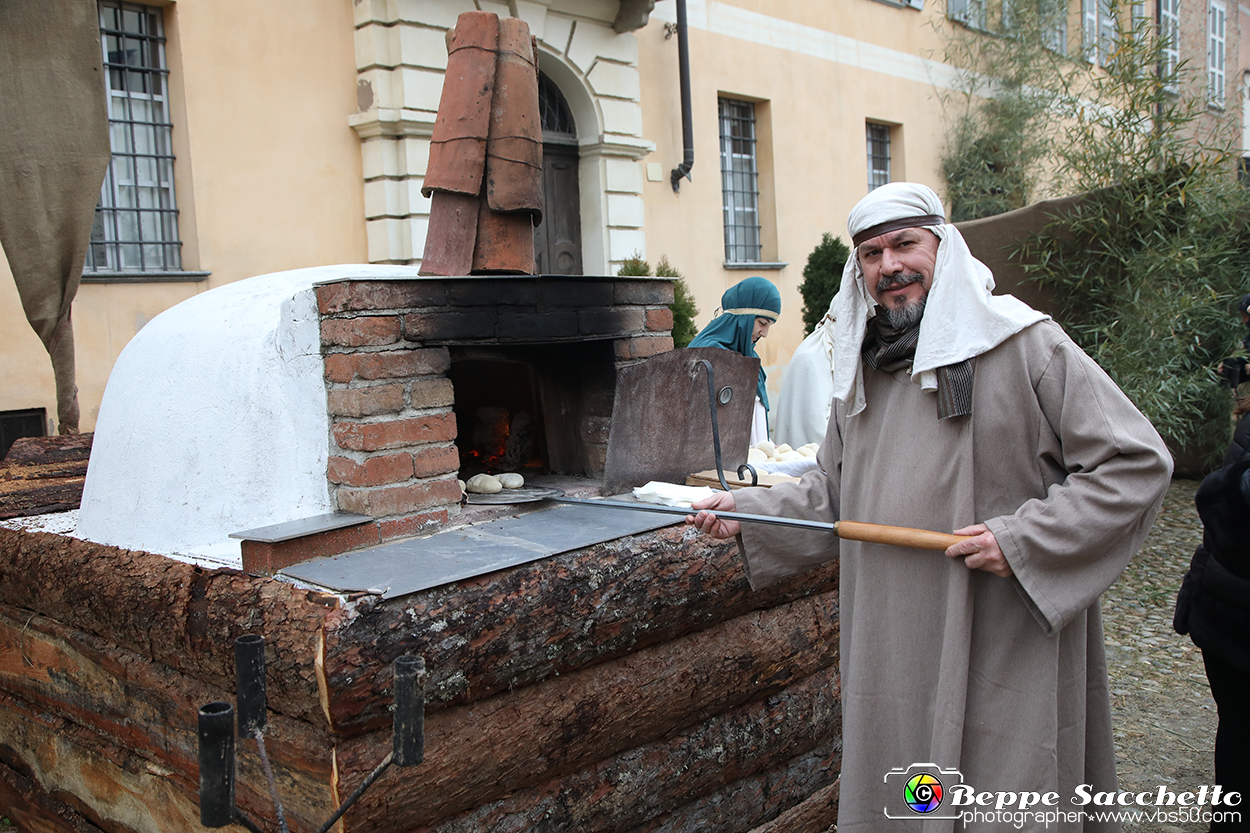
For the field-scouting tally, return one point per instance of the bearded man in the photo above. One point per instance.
(959, 410)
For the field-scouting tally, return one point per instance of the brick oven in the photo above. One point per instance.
(431, 378)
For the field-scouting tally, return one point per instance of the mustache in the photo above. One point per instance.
(889, 282)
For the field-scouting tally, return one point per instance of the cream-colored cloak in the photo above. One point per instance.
(1003, 679)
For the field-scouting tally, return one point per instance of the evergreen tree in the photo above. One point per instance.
(683, 306)
(821, 278)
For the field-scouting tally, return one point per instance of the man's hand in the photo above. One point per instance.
(707, 521)
(981, 551)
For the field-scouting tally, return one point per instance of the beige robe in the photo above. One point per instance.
(1002, 679)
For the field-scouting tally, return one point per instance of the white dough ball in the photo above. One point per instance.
(511, 480)
(484, 484)
(767, 447)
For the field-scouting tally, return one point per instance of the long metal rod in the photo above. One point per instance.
(351, 799)
(273, 784)
(676, 510)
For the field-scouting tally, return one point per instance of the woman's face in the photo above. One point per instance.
(761, 328)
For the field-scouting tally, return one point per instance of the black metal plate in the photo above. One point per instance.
(525, 494)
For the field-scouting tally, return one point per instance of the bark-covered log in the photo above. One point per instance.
(487, 749)
(31, 810)
(175, 613)
(37, 451)
(522, 625)
(679, 771)
(735, 806)
(815, 814)
(43, 474)
(107, 705)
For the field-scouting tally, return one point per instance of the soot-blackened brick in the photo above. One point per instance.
(538, 327)
(644, 293)
(609, 321)
(519, 292)
(450, 326)
(557, 292)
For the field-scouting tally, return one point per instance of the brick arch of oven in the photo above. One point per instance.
(398, 354)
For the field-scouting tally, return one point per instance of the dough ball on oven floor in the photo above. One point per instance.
(484, 484)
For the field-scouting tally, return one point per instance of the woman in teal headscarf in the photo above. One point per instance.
(748, 309)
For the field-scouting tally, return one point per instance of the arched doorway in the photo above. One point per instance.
(558, 239)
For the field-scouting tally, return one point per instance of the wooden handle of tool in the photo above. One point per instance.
(899, 536)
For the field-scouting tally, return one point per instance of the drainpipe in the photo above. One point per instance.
(687, 127)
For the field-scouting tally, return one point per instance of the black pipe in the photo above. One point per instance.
(687, 123)
(249, 675)
(408, 733)
(216, 736)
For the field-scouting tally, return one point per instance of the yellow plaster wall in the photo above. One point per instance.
(268, 176)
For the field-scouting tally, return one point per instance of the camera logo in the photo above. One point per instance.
(923, 793)
(920, 790)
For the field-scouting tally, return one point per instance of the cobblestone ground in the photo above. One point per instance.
(1163, 714)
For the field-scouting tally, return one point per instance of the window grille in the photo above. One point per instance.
(136, 220)
(971, 13)
(30, 422)
(1217, 18)
(1052, 20)
(1099, 32)
(556, 118)
(739, 181)
(878, 155)
(1170, 32)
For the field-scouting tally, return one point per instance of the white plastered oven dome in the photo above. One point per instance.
(214, 420)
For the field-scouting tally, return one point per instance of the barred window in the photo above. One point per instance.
(136, 220)
(1217, 17)
(1170, 33)
(1101, 31)
(739, 181)
(971, 13)
(878, 155)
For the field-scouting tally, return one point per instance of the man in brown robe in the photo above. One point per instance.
(959, 410)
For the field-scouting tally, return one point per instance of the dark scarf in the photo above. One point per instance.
(890, 350)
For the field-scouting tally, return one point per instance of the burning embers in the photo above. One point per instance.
(501, 442)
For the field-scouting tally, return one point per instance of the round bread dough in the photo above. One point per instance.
(484, 484)
(510, 480)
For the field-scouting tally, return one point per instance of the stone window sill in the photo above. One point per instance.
(144, 277)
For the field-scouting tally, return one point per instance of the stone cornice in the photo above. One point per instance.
(620, 146)
(385, 122)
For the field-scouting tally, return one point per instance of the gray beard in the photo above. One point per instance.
(906, 316)
(909, 315)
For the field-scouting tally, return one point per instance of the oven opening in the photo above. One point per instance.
(533, 409)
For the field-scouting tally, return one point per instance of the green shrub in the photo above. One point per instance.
(821, 278)
(683, 306)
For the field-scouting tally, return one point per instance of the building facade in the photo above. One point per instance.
(252, 138)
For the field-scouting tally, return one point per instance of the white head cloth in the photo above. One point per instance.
(961, 318)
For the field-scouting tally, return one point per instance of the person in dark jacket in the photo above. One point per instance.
(1213, 605)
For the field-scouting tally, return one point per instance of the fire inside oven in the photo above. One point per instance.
(533, 409)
